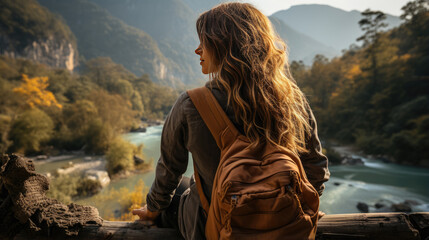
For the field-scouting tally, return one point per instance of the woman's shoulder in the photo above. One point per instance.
(184, 103)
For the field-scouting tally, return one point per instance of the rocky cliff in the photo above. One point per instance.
(28, 30)
(51, 51)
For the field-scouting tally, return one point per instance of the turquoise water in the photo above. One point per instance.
(370, 183)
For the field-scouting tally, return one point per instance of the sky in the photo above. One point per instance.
(392, 7)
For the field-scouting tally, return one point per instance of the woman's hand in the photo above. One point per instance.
(145, 214)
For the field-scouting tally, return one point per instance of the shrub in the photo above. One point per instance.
(4, 129)
(87, 187)
(29, 130)
(371, 143)
(98, 136)
(119, 156)
(63, 188)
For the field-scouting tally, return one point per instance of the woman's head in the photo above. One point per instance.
(249, 62)
(237, 34)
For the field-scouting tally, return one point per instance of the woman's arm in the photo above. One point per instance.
(173, 160)
(315, 162)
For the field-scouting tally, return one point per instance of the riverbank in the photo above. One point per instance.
(367, 184)
(145, 123)
(353, 155)
(373, 182)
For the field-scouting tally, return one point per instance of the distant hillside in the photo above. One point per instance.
(301, 46)
(331, 26)
(171, 23)
(100, 34)
(28, 30)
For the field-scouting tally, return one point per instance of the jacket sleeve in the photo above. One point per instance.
(173, 160)
(315, 162)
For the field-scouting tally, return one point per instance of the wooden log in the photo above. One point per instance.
(336, 226)
(421, 222)
(110, 230)
(368, 226)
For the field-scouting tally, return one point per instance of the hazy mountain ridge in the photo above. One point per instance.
(158, 37)
(171, 23)
(100, 34)
(331, 26)
(301, 46)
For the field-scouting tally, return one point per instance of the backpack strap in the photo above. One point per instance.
(222, 129)
(204, 202)
(219, 125)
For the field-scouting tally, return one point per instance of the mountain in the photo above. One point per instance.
(199, 6)
(301, 46)
(100, 34)
(171, 23)
(331, 26)
(28, 30)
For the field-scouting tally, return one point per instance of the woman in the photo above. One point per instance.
(250, 79)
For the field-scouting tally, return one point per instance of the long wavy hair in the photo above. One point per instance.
(252, 68)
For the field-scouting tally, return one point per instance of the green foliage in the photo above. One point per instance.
(371, 23)
(120, 156)
(103, 71)
(174, 32)
(100, 34)
(29, 130)
(4, 130)
(126, 199)
(8, 100)
(101, 102)
(78, 115)
(157, 100)
(95, 109)
(113, 110)
(75, 124)
(63, 188)
(66, 187)
(145, 97)
(25, 21)
(376, 96)
(413, 9)
(98, 136)
(371, 143)
(87, 187)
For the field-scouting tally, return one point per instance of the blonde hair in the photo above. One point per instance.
(254, 72)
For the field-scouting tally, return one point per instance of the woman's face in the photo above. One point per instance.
(206, 60)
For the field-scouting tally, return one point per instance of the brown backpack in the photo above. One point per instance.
(257, 194)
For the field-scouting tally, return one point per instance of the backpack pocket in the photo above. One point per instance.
(261, 211)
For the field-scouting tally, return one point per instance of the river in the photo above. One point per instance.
(370, 183)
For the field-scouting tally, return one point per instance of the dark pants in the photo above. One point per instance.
(168, 218)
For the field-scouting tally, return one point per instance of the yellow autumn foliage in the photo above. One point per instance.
(35, 92)
(127, 199)
(353, 71)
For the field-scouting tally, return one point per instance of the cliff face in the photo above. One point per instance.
(99, 34)
(28, 30)
(51, 51)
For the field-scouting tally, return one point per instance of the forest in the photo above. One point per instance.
(46, 111)
(376, 96)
